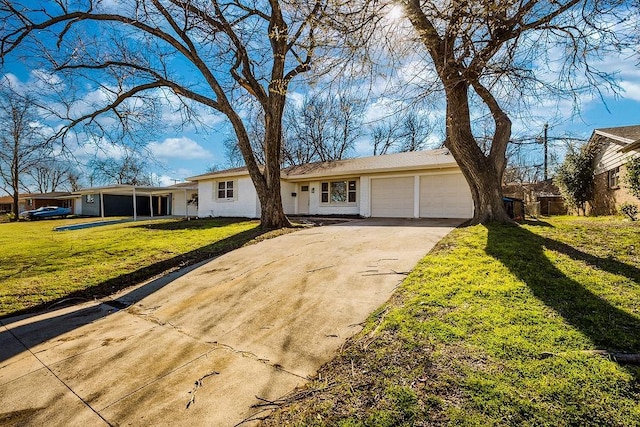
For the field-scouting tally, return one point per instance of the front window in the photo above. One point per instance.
(225, 190)
(338, 192)
(614, 178)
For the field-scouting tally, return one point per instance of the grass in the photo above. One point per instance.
(39, 266)
(496, 327)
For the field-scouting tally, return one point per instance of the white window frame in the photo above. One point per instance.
(326, 189)
(613, 177)
(230, 185)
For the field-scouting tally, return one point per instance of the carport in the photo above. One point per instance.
(127, 200)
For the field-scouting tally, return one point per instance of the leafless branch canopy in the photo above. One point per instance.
(212, 54)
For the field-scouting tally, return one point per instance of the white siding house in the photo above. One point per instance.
(421, 184)
(618, 147)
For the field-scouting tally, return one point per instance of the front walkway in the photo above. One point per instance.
(202, 349)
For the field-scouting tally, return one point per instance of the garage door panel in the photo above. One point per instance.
(445, 196)
(392, 197)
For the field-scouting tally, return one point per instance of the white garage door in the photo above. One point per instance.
(392, 197)
(445, 196)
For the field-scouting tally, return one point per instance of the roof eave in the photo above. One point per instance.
(360, 172)
(615, 138)
(217, 175)
(631, 147)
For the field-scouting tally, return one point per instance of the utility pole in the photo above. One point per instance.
(544, 141)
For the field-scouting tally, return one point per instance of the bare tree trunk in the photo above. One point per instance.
(15, 178)
(272, 214)
(480, 171)
(15, 206)
(267, 182)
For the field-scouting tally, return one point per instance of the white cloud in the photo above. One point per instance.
(631, 90)
(173, 176)
(163, 180)
(179, 148)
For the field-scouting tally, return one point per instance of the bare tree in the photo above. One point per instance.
(482, 54)
(383, 137)
(210, 53)
(323, 128)
(73, 180)
(414, 132)
(23, 146)
(128, 169)
(400, 133)
(50, 175)
(255, 126)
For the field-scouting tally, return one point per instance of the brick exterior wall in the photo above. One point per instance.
(608, 200)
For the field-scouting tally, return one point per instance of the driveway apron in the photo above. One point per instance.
(211, 346)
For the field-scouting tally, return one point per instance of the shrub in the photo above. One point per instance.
(629, 210)
(575, 177)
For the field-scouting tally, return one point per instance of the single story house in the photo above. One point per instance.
(131, 200)
(616, 146)
(420, 184)
(30, 201)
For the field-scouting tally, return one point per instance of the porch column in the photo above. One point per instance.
(151, 204)
(135, 209)
(101, 204)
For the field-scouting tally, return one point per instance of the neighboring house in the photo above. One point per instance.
(420, 184)
(616, 147)
(29, 201)
(131, 200)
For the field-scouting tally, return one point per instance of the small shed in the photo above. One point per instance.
(514, 208)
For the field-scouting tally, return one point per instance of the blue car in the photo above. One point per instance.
(46, 212)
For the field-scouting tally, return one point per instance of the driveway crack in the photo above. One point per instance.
(255, 357)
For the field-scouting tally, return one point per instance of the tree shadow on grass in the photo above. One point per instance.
(193, 224)
(115, 284)
(522, 251)
(536, 223)
(31, 333)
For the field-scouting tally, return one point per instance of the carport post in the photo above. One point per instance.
(101, 204)
(135, 210)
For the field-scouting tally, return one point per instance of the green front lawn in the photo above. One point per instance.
(496, 326)
(39, 265)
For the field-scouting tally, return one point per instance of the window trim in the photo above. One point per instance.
(613, 178)
(325, 192)
(233, 188)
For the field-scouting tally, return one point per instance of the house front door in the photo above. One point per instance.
(303, 200)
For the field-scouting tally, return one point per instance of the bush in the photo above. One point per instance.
(629, 210)
(633, 176)
(575, 177)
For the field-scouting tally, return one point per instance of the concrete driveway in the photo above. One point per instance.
(204, 348)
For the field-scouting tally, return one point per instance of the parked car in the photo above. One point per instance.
(46, 212)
